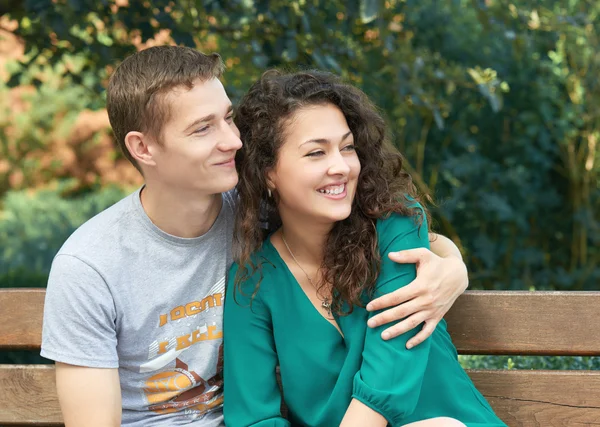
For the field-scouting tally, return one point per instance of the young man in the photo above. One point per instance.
(133, 314)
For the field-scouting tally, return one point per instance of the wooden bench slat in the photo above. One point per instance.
(557, 323)
(542, 398)
(28, 396)
(520, 398)
(526, 323)
(21, 312)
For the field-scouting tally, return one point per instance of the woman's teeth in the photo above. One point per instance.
(338, 189)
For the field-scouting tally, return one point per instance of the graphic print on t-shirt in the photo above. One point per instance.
(175, 382)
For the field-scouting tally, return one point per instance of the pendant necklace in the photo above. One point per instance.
(325, 303)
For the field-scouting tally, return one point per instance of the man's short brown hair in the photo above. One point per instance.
(135, 96)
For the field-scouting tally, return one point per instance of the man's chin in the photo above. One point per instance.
(226, 185)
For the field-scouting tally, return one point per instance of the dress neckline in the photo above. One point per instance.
(337, 329)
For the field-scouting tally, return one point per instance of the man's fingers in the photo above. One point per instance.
(423, 334)
(410, 256)
(406, 325)
(399, 296)
(395, 313)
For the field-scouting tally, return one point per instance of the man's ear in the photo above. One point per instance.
(140, 147)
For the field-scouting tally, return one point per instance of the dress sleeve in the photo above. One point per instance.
(389, 380)
(251, 394)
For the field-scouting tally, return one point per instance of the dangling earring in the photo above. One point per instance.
(269, 192)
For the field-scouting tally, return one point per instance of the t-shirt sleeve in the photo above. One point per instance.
(251, 394)
(389, 380)
(79, 316)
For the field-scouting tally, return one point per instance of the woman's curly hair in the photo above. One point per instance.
(351, 262)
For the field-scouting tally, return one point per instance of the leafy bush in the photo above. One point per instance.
(530, 362)
(33, 226)
(48, 133)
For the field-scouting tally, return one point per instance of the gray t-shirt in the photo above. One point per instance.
(124, 294)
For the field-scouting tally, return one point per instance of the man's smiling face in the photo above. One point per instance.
(199, 141)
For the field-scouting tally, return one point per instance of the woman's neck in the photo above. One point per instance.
(306, 241)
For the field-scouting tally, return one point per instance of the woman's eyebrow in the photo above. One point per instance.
(325, 140)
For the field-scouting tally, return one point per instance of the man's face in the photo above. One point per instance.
(199, 141)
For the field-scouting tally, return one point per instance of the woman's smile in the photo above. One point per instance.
(334, 191)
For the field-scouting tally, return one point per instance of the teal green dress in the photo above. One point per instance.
(321, 371)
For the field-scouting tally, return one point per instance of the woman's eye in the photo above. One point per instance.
(229, 118)
(314, 154)
(350, 147)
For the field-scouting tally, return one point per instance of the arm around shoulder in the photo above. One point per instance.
(442, 277)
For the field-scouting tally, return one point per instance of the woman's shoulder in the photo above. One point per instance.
(395, 225)
(415, 218)
(260, 270)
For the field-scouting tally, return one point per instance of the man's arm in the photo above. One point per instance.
(89, 397)
(442, 277)
(79, 334)
(443, 246)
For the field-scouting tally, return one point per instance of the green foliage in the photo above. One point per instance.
(33, 226)
(30, 135)
(494, 104)
(530, 362)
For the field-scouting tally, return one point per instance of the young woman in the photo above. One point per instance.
(317, 171)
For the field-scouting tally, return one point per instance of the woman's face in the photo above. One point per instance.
(317, 166)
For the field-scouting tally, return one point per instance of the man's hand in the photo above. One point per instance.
(89, 397)
(439, 282)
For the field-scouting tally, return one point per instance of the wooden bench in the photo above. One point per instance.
(481, 322)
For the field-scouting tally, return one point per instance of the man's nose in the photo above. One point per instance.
(231, 139)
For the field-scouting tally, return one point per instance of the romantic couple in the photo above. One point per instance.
(176, 305)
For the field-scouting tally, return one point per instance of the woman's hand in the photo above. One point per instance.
(439, 282)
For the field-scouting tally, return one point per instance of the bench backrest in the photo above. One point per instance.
(481, 322)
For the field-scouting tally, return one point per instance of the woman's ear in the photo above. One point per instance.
(271, 179)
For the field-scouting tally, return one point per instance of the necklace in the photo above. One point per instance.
(325, 303)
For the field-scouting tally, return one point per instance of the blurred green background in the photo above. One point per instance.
(494, 103)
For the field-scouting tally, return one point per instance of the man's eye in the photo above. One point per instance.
(203, 129)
